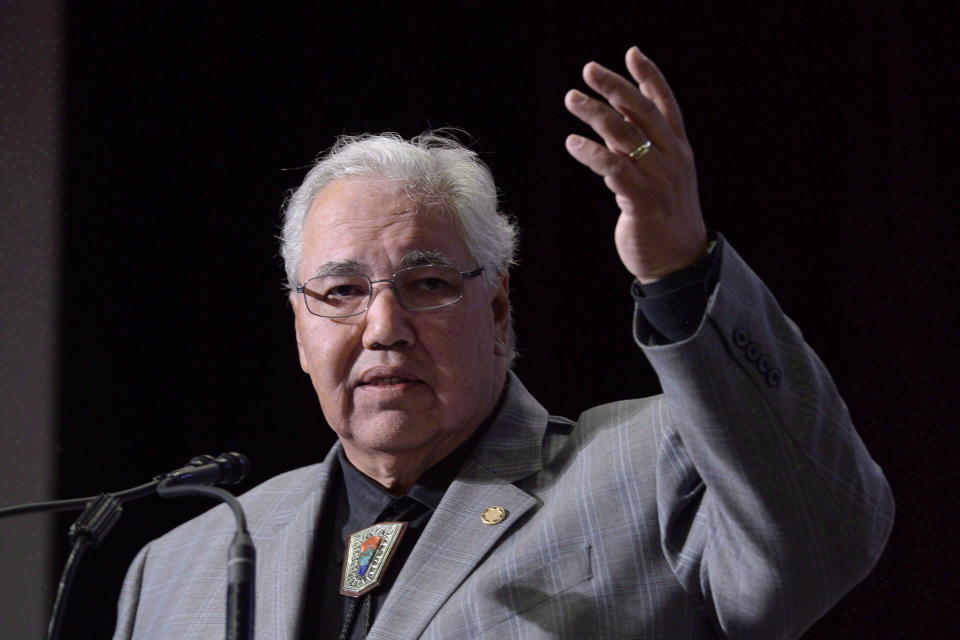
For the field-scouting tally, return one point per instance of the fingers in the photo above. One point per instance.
(654, 86)
(631, 104)
(630, 116)
(618, 134)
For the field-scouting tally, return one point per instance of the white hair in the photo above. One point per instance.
(435, 170)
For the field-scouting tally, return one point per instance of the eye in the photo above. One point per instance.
(431, 284)
(344, 291)
(337, 290)
(341, 291)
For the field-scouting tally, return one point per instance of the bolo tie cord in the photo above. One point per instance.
(348, 620)
(367, 605)
(367, 615)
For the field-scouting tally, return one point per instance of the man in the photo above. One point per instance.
(739, 504)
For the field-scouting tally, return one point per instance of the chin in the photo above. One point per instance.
(392, 434)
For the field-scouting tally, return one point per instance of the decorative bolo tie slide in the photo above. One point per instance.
(369, 552)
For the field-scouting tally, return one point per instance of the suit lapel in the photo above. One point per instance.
(284, 552)
(456, 540)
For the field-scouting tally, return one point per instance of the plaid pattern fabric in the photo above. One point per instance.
(739, 504)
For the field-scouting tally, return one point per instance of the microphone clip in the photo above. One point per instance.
(96, 521)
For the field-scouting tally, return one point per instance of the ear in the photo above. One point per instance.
(500, 305)
(295, 303)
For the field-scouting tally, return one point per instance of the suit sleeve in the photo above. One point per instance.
(770, 507)
(130, 597)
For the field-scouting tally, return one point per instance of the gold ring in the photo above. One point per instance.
(641, 151)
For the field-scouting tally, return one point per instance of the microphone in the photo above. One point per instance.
(228, 468)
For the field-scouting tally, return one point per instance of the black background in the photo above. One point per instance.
(825, 140)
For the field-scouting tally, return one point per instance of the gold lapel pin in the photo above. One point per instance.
(493, 515)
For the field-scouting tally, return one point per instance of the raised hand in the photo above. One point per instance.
(647, 163)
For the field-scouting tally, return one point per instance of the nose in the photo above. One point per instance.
(387, 324)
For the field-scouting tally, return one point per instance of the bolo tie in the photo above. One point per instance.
(368, 555)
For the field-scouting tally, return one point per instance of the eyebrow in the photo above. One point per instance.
(418, 258)
(415, 258)
(339, 268)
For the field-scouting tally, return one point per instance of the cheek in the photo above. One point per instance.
(462, 351)
(330, 353)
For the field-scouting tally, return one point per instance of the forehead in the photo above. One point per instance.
(375, 223)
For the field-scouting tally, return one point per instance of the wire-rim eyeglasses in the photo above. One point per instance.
(417, 288)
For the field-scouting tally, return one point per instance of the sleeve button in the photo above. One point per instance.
(763, 364)
(740, 338)
(753, 351)
(774, 377)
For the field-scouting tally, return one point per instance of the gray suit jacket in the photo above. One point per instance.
(740, 503)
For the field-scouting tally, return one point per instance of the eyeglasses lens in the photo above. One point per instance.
(425, 287)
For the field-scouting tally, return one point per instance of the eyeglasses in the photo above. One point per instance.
(417, 289)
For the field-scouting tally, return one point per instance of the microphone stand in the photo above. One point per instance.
(101, 513)
(86, 532)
